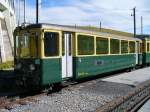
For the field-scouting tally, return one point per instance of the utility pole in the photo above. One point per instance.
(134, 18)
(141, 25)
(100, 25)
(37, 11)
(24, 11)
(13, 4)
(18, 12)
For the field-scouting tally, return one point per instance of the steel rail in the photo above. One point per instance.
(138, 106)
(129, 103)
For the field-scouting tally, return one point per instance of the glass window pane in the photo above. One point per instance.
(70, 47)
(141, 48)
(63, 45)
(124, 46)
(34, 36)
(131, 47)
(51, 44)
(26, 41)
(114, 46)
(101, 45)
(85, 45)
(144, 46)
(148, 45)
(17, 50)
(24, 45)
(17, 41)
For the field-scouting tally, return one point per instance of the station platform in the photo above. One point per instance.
(133, 78)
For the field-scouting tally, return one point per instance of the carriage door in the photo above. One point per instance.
(67, 55)
(137, 51)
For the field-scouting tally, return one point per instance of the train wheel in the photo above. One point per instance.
(57, 87)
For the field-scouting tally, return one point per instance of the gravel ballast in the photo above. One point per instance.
(83, 97)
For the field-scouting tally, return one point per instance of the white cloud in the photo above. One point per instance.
(114, 14)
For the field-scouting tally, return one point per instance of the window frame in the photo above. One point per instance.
(17, 48)
(119, 52)
(141, 47)
(59, 42)
(121, 46)
(77, 50)
(134, 47)
(96, 45)
(148, 47)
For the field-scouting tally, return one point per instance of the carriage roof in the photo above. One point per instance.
(68, 28)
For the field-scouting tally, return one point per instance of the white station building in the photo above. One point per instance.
(7, 26)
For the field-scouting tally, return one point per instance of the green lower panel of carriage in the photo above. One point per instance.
(94, 65)
(50, 71)
(146, 58)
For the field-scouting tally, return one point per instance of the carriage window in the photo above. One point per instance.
(24, 45)
(148, 47)
(17, 41)
(70, 47)
(17, 45)
(51, 44)
(102, 45)
(85, 45)
(34, 44)
(124, 46)
(64, 42)
(141, 47)
(26, 41)
(114, 46)
(63, 45)
(131, 47)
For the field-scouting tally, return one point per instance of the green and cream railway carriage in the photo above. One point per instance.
(50, 54)
(145, 48)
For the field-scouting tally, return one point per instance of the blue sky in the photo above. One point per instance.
(114, 14)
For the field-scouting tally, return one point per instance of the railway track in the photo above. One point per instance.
(129, 103)
(10, 103)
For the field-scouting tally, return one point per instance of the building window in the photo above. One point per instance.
(51, 44)
(85, 45)
(102, 45)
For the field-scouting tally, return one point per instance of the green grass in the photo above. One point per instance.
(6, 65)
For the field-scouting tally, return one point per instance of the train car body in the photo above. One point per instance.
(145, 48)
(139, 53)
(50, 54)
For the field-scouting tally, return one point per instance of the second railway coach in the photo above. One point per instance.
(145, 48)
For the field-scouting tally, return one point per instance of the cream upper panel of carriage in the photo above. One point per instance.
(87, 32)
